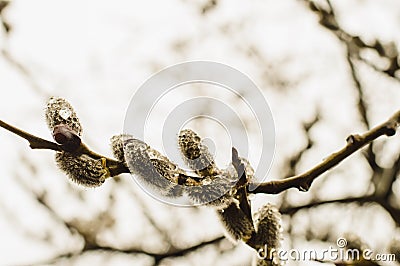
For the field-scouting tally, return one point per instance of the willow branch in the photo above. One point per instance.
(34, 142)
(301, 182)
(354, 143)
(115, 167)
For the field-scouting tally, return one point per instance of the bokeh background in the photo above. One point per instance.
(327, 69)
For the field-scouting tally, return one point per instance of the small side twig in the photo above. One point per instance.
(115, 167)
(34, 141)
(354, 143)
(244, 203)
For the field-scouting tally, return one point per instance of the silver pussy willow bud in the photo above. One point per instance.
(58, 111)
(153, 168)
(268, 237)
(237, 225)
(214, 192)
(195, 154)
(83, 169)
(117, 146)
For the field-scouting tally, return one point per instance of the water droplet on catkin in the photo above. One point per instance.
(65, 113)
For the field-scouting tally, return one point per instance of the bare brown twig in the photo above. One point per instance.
(115, 167)
(354, 143)
(34, 142)
(302, 181)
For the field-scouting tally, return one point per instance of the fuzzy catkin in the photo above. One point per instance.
(195, 154)
(83, 169)
(237, 225)
(212, 192)
(268, 237)
(152, 168)
(58, 111)
(117, 146)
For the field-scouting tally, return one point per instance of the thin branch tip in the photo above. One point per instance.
(354, 143)
(115, 167)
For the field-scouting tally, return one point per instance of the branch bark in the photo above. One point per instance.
(301, 182)
(115, 167)
(354, 143)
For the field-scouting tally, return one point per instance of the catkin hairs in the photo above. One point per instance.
(66, 130)
(195, 154)
(152, 168)
(268, 237)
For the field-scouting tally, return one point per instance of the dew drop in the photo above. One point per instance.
(65, 113)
